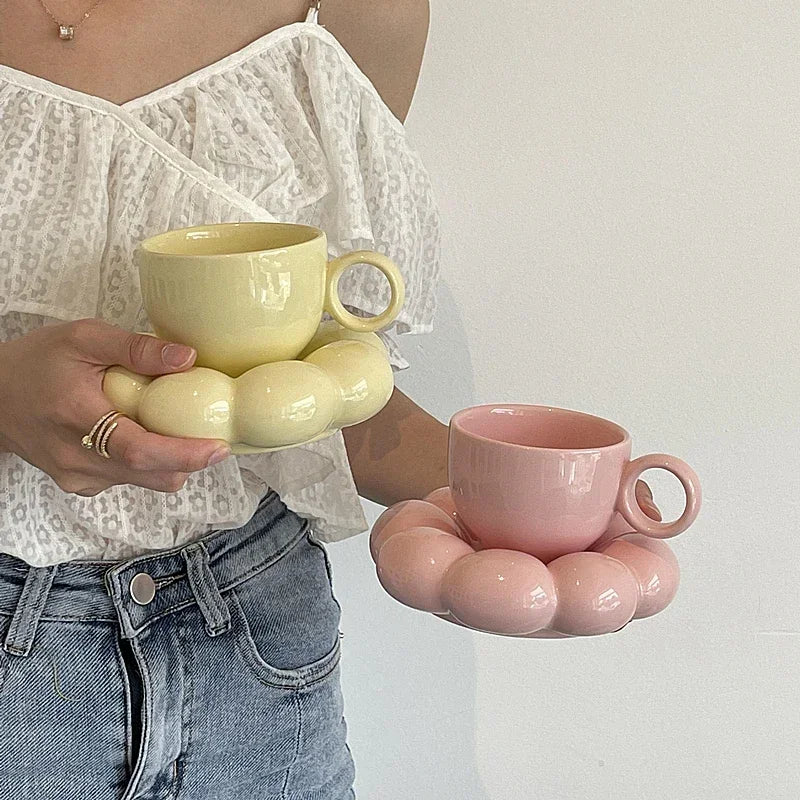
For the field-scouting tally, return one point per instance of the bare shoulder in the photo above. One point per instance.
(387, 39)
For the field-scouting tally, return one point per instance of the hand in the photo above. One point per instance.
(51, 394)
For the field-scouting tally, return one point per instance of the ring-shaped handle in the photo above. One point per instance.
(333, 305)
(629, 507)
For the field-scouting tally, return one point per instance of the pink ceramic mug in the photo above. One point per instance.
(547, 481)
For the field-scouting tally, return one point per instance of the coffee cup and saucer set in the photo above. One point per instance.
(538, 533)
(269, 373)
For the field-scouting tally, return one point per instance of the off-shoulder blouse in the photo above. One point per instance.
(287, 128)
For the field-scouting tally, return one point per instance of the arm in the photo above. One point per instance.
(398, 454)
(401, 452)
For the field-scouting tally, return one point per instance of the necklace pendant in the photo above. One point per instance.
(66, 32)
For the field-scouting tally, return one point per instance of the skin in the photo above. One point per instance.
(125, 50)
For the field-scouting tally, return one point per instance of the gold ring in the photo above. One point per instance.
(102, 428)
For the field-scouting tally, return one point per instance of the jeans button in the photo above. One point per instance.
(143, 588)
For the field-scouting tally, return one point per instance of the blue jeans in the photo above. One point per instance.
(213, 675)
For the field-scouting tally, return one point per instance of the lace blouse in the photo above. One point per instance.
(289, 129)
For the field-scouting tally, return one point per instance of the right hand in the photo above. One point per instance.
(51, 394)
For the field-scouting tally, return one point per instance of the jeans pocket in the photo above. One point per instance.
(286, 621)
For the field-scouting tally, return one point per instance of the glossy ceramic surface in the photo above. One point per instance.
(424, 559)
(251, 293)
(343, 378)
(547, 481)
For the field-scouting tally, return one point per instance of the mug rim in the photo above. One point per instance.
(455, 423)
(146, 244)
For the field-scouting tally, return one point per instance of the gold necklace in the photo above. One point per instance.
(67, 32)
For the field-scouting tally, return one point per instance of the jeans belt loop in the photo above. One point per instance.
(30, 606)
(206, 592)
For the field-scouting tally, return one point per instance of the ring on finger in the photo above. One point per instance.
(98, 437)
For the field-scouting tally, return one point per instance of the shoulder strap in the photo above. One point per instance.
(313, 11)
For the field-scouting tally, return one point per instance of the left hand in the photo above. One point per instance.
(645, 499)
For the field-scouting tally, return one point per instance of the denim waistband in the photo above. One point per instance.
(100, 591)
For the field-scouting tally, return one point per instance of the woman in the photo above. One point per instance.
(167, 621)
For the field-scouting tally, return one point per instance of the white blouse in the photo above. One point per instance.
(287, 128)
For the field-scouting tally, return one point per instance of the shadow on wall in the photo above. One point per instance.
(409, 680)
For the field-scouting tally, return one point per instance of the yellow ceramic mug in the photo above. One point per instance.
(250, 293)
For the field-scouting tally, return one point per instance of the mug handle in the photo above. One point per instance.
(333, 305)
(628, 506)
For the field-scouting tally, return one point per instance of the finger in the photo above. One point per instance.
(140, 450)
(166, 482)
(158, 481)
(132, 447)
(104, 344)
(645, 499)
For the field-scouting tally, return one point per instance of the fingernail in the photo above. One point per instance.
(218, 455)
(176, 355)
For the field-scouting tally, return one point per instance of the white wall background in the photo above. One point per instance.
(619, 183)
